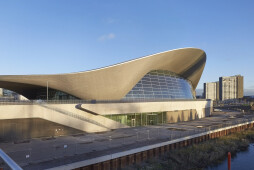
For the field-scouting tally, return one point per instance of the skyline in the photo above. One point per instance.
(46, 37)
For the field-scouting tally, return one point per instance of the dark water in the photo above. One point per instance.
(242, 161)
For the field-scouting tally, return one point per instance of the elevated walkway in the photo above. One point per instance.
(79, 109)
(65, 114)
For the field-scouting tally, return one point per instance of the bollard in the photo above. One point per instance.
(229, 161)
(148, 135)
(110, 140)
(137, 137)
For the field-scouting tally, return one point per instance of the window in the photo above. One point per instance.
(161, 84)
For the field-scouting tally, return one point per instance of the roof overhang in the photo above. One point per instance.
(112, 82)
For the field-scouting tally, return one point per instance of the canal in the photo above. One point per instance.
(243, 160)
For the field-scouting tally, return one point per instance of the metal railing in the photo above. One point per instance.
(23, 102)
(59, 148)
(9, 161)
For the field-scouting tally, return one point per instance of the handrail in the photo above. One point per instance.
(78, 106)
(30, 102)
(77, 116)
(9, 161)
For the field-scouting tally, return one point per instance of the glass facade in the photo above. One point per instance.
(161, 84)
(53, 95)
(139, 119)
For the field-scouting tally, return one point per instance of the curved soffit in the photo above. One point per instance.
(113, 82)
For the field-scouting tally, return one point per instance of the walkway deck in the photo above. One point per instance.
(73, 150)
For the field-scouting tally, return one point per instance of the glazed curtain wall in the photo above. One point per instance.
(139, 119)
(161, 84)
(53, 95)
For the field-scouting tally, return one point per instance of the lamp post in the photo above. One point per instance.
(47, 91)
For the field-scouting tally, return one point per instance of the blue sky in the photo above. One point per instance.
(60, 36)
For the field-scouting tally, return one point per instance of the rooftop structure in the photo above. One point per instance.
(167, 75)
(155, 89)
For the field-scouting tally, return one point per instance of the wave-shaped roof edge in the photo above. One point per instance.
(115, 81)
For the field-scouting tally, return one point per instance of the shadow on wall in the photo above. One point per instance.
(22, 129)
(208, 108)
(181, 115)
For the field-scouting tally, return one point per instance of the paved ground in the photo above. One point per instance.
(51, 152)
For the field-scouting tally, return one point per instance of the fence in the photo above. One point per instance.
(75, 101)
(85, 145)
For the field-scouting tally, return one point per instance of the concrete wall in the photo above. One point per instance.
(186, 115)
(202, 107)
(37, 111)
(181, 115)
(20, 129)
(176, 111)
(98, 118)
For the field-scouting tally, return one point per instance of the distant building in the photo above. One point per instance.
(226, 88)
(1, 92)
(231, 87)
(211, 90)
